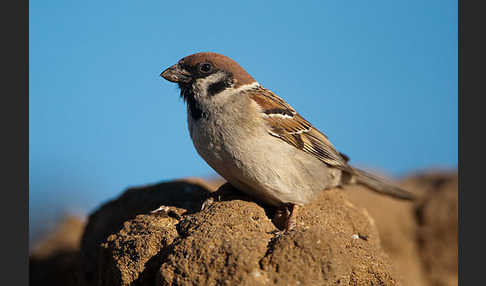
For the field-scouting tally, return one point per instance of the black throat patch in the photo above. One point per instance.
(194, 110)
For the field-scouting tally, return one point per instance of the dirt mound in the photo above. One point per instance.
(115, 219)
(407, 235)
(55, 260)
(348, 236)
(437, 232)
(234, 242)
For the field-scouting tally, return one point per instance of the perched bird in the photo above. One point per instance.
(257, 141)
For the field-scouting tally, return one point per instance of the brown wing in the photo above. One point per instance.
(285, 123)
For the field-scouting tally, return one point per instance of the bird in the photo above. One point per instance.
(257, 141)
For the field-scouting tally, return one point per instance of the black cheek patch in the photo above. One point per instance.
(218, 87)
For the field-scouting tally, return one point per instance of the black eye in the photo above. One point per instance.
(205, 67)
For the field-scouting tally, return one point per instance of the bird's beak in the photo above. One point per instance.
(176, 74)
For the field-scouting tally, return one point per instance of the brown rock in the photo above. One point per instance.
(116, 228)
(396, 224)
(131, 256)
(335, 243)
(54, 261)
(400, 230)
(221, 245)
(232, 241)
(437, 217)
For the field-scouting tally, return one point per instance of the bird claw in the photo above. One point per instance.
(162, 208)
(285, 218)
(209, 201)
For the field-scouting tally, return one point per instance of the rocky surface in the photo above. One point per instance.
(127, 222)
(402, 230)
(348, 236)
(234, 242)
(437, 232)
(54, 261)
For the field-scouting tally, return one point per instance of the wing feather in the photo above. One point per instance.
(285, 123)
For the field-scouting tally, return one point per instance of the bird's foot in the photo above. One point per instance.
(209, 201)
(285, 217)
(161, 209)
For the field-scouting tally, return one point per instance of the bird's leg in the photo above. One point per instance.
(284, 217)
(290, 220)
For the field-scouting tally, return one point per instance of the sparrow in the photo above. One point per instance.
(257, 141)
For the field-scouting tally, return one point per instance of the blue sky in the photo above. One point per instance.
(379, 78)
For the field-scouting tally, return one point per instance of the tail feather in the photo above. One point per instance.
(380, 186)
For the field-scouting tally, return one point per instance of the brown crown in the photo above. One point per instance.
(222, 62)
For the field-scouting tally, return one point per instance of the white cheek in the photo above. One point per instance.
(202, 84)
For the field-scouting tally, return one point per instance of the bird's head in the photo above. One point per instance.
(207, 74)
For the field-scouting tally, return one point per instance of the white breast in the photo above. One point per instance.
(253, 161)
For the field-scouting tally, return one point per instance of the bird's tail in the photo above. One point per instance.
(380, 185)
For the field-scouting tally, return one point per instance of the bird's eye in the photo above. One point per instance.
(205, 67)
